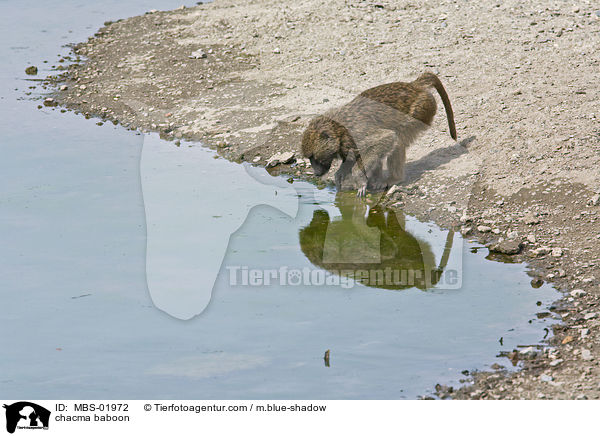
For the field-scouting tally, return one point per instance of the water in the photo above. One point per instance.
(79, 320)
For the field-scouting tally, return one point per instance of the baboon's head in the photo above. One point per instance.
(321, 143)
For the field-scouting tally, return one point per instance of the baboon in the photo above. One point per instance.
(370, 134)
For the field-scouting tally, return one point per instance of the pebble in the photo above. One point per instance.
(595, 200)
(541, 251)
(506, 247)
(393, 190)
(532, 239)
(31, 70)
(528, 352)
(530, 219)
(198, 54)
(280, 158)
(484, 229)
(50, 102)
(64, 88)
(556, 362)
(277, 50)
(577, 293)
(586, 354)
(512, 235)
(546, 378)
(585, 332)
(557, 252)
(256, 159)
(590, 315)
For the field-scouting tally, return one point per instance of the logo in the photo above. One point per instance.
(26, 415)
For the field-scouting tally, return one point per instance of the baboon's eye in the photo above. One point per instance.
(324, 135)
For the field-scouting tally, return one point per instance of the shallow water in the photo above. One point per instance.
(93, 312)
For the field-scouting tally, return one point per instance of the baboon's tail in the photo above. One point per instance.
(431, 80)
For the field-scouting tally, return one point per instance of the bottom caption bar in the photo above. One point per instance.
(159, 417)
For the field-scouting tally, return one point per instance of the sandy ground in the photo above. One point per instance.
(246, 76)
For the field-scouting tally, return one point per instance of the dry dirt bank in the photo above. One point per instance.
(245, 77)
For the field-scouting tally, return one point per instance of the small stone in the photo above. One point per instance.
(532, 239)
(530, 219)
(557, 252)
(512, 235)
(586, 354)
(541, 251)
(556, 362)
(591, 315)
(64, 88)
(496, 231)
(198, 54)
(280, 158)
(452, 209)
(506, 247)
(393, 190)
(546, 378)
(595, 200)
(577, 293)
(567, 339)
(528, 352)
(465, 231)
(537, 282)
(31, 70)
(50, 102)
(484, 229)
(584, 333)
(597, 15)
(287, 157)
(256, 159)
(277, 50)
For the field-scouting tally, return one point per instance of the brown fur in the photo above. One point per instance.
(371, 133)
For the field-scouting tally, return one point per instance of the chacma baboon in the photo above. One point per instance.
(370, 134)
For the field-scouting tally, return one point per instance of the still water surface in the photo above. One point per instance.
(78, 218)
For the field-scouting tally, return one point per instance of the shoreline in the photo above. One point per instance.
(246, 82)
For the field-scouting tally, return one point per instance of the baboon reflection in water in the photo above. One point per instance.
(371, 246)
